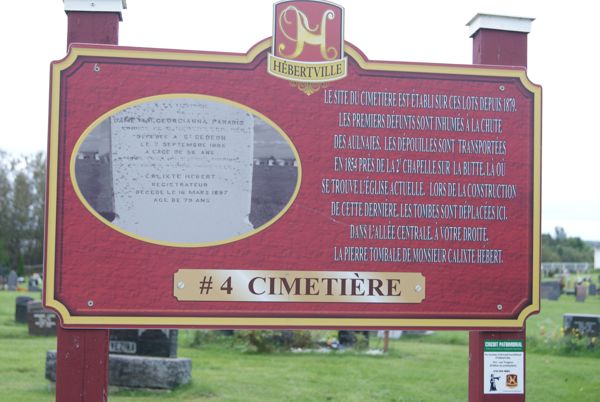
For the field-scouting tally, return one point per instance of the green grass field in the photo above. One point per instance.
(426, 368)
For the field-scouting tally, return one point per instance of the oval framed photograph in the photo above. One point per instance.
(185, 170)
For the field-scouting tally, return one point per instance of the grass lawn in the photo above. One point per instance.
(429, 368)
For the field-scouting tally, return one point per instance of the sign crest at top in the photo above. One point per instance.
(308, 42)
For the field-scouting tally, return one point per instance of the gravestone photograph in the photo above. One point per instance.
(185, 170)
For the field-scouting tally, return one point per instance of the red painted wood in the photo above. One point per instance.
(303, 238)
(497, 48)
(89, 27)
(82, 355)
(82, 365)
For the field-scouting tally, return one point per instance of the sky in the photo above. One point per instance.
(562, 59)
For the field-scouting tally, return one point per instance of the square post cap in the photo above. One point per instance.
(99, 6)
(500, 23)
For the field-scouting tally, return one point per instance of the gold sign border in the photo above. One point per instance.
(78, 321)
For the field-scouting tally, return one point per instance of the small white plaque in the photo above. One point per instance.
(503, 367)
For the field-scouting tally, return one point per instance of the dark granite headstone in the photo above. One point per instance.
(550, 290)
(12, 280)
(21, 308)
(144, 342)
(592, 291)
(40, 321)
(580, 293)
(582, 324)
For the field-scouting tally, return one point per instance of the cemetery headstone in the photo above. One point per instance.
(582, 324)
(13, 280)
(550, 290)
(392, 334)
(144, 342)
(35, 283)
(41, 322)
(21, 308)
(581, 293)
(140, 358)
(138, 371)
(592, 290)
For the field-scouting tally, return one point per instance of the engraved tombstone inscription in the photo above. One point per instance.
(182, 170)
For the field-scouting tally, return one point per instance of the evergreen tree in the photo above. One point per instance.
(22, 193)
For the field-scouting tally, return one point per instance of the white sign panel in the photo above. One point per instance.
(503, 367)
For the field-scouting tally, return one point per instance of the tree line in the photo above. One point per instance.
(562, 248)
(22, 193)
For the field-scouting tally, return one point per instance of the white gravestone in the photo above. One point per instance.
(182, 170)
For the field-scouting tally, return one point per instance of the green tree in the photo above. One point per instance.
(562, 248)
(20, 218)
(35, 168)
(22, 193)
(5, 203)
(549, 253)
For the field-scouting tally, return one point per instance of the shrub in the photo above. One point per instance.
(199, 338)
(270, 341)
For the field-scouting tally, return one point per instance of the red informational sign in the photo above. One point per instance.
(259, 190)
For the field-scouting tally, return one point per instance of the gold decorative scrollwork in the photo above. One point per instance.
(309, 88)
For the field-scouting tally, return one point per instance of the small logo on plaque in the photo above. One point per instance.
(512, 380)
(308, 43)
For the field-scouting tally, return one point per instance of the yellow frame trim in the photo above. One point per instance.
(288, 322)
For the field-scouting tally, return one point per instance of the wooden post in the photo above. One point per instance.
(82, 365)
(386, 341)
(497, 40)
(82, 354)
